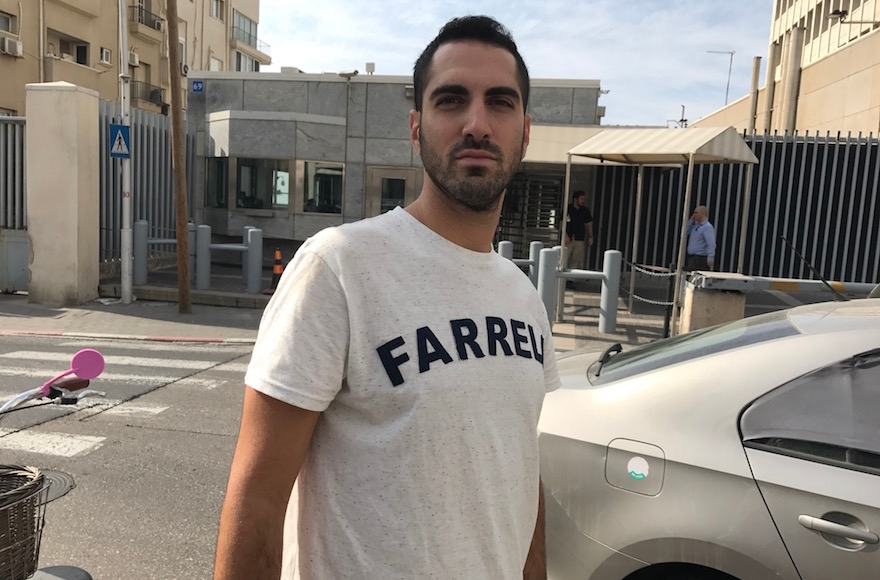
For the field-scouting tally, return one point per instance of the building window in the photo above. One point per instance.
(217, 8)
(7, 22)
(263, 183)
(244, 29)
(217, 177)
(244, 63)
(322, 186)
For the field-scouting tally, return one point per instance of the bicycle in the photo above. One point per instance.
(25, 491)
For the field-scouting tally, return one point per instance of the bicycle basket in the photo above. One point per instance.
(22, 513)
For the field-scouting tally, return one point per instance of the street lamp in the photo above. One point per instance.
(729, 70)
(842, 14)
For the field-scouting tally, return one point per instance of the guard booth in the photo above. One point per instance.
(670, 147)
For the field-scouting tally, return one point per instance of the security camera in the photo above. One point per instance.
(348, 73)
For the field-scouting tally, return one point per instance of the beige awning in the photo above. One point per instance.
(551, 143)
(666, 146)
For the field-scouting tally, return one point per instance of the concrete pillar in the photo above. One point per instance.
(703, 308)
(62, 193)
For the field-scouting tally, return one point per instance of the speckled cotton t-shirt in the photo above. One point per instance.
(430, 363)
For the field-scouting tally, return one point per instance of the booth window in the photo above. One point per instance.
(322, 187)
(217, 173)
(263, 183)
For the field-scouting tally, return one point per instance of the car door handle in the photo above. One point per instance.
(826, 527)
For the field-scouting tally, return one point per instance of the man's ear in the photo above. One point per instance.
(415, 123)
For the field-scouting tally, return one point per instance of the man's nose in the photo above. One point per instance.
(477, 121)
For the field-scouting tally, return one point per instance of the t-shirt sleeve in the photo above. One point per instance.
(301, 351)
(551, 373)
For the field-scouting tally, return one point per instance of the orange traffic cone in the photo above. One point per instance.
(277, 270)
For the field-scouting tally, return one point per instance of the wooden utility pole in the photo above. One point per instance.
(178, 161)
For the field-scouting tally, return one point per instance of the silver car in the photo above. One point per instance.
(747, 450)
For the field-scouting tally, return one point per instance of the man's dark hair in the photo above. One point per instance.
(469, 28)
(577, 194)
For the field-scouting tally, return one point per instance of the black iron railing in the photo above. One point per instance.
(146, 92)
(141, 15)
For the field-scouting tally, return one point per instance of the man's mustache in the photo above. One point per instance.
(470, 143)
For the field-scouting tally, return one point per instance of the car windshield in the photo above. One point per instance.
(691, 345)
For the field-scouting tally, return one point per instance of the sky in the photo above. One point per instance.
(651, 55)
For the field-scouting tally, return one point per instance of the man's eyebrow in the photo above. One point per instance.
(461, 90)
(449, 90)
(504, 92)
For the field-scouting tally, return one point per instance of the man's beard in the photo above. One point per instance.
(482, 187)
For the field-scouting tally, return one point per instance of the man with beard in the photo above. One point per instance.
(401, 364)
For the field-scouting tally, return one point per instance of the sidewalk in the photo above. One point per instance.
(235, 317)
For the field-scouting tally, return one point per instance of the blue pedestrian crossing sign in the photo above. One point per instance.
(120, 141)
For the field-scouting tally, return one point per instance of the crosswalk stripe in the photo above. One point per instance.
(120, 377)
(57, 444)
(136, 410)
(146, 345)
(110, 360)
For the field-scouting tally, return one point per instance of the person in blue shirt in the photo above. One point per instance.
(701, 241)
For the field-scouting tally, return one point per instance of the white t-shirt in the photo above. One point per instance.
(430, 363)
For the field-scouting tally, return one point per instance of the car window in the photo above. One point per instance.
(829, 415)
(692, 345)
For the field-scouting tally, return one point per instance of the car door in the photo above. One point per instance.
(813, 445)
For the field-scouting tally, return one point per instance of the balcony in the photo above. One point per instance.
(251, 45)
(146, 24)
(147, 93)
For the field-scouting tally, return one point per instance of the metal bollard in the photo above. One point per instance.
(535, 259)
(191, 245)
(505, 249)
(140, 251)
(610, 290)
(203, 257)
(254, 260)
(244, 266)
(547, 280)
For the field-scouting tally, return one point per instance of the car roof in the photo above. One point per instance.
(823, 317)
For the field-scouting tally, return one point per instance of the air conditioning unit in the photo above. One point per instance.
(134, 59)
(184, 69)
(11, 47)
(156, 97)
(106, 55)
(158, 24)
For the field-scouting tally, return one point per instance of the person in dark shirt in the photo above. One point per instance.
(578, 231)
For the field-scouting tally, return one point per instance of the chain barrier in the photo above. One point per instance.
(645, 300)
(641, 270)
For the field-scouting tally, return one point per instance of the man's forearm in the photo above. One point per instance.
(249, 545)
(536, 562)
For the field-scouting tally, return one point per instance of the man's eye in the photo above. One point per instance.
(448, 100)
(502, 103)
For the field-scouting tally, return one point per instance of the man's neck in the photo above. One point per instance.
(461, 226)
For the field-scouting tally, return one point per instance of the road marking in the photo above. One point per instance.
(57, 444)
(232, 367)
(119, 377)
(143, 345)
(110, 360)
(136, 410)
(208, 384)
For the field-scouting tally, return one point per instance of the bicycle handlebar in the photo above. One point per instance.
(68, 387)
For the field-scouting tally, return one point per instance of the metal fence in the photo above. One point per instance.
(818, 191)
(152, 178)
(13, 207)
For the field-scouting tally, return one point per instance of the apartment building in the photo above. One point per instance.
(78, 41)
(822, 71)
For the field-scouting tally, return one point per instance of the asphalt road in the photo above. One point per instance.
(150, 462)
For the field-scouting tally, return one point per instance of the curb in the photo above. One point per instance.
(103, 336)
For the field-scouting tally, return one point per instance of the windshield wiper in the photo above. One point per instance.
(606, 356)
